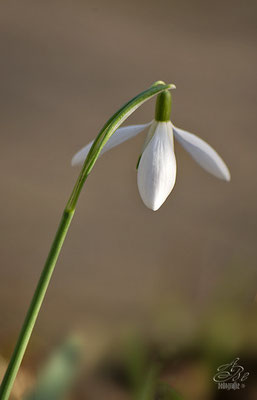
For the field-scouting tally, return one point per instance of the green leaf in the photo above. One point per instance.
(148, 386)
(165, 392)
(59, 373)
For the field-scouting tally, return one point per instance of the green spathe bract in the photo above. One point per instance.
(109, 128)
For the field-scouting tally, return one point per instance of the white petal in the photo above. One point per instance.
(202, 153)
(118, 137)
(157, 168)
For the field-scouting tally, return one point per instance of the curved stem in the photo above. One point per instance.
(109, 128)
(106, 132)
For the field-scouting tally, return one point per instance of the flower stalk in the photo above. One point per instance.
(35, 306)
(104, 135)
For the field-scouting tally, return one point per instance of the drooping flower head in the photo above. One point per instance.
(156, 166)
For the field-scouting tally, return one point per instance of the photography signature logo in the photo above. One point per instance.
(231, 376)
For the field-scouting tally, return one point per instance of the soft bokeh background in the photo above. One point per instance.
(185, 275)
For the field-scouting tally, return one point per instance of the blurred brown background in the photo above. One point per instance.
(66, 66)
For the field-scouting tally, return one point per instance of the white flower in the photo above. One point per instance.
(157, 164)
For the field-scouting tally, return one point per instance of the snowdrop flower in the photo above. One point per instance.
(157, 163)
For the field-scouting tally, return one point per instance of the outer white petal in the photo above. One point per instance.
(202, 153)
(157, 168)
(119, 136)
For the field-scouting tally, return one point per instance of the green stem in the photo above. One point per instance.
(35, 305)
(109, 128)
